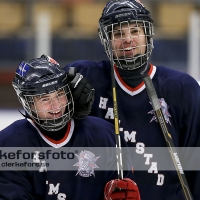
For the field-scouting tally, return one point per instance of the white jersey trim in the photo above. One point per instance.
(51, 143)
(140, 89)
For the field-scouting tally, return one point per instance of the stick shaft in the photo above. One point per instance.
(168, 139)
(116, 123)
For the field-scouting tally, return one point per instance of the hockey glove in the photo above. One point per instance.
(124, 189)
(82, 92)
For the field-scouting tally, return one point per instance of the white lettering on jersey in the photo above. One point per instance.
(160, 180)
(53, 189)
(147, 156)
(153, 168)
(130, 136)
(120, 128)
(103, 103)
(140, 148)
(61, 196)
(36, 157)
(43, 166)
(109, 114)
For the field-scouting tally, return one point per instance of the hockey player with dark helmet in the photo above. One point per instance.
(44, 90)
(126, 31)
(40, 79)
(35, 83)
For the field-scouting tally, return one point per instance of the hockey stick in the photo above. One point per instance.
(168, 139)
(115, 110)
(116, 120)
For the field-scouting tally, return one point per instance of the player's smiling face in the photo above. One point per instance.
(50, 106)
(128, 40)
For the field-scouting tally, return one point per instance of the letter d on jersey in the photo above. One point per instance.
(160, 179)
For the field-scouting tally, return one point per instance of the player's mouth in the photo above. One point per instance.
(128, 51)
(56, 114)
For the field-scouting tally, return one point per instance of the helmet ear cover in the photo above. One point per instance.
(36, 78)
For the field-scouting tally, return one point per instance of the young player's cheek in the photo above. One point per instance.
(63, 99)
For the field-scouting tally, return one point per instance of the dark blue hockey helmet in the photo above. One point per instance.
(39, 77)
(125, 12)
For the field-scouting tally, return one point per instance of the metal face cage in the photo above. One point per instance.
(50, 111)
(128, 43)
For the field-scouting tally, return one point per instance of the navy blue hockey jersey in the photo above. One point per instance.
(179, 95)
(85, 182)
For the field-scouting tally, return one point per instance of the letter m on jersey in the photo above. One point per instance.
(129, 137)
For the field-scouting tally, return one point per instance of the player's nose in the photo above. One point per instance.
(128, 37)
(56, 104)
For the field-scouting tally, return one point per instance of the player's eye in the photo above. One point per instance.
(45, 99)
(134, 31)
(117, 34)
(61, 94)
